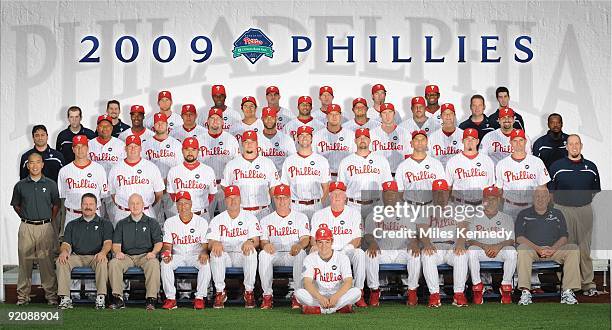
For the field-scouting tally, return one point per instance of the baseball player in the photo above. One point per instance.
(304, 117)
(233, 237)
(379, 94)
(250, 121)
(134, 175)
(254, 174)
(432, 96)
(137, 115)
(113, 110)
(79, 177)
(334, 143)
(283, 115)
(165, 153)
(307, 173)
(442, 244)
(419, 121)
(164, 101)
(389, 139)
(416, 173)
(362, 118)
(190, 128)
(493, 248)
(497, 143)
(384, 250)
(193, 177)
(345, 223)
(446, 142)
(217, 148)
(185, 245)
(363, 172)
(230, 117)
(470, 171)
(326, 97)
(285, 236)
(327, 279)
(280, 145)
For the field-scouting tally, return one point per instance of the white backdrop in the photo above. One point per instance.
(41, 75)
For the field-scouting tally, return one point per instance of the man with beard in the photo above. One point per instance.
(164, 101)
(432, 96)
(137, 115)
(362, 118)
(230, 117)
(497, 143)
(552, 146)
(419, 121)
(278, 145)
(113, 110)
(304, 117)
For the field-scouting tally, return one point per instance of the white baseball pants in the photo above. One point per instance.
(445, 254)
(413, 265)
(234, 259)
(507, 255)
(167, 274)
(280, 258)
(349, 298)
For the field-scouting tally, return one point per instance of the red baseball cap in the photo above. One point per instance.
(133, 139)
(249, 135)
(333, 107)
(439, 184)
(386, 106)
(103, 118)
(304, 129)
(506, 112)
(282, 190)
(470, 132)
(182, 195)
(432, 89)
(324, 89)
(378, 87)
(516, 133)
(160, 117)
(447, 106)
(217, 90)
(421, 132)
(304, 99)
(137, 109)
(191, 142)
(418, 100)
(188, 108)
(272, 89)
(491, 191)
(79, 139)
(323, 233)
(360, 100)
(390, 186)
(164, 94)
(215, 111)
(248, 99)
(231, 191)
(337, 185)
(267, 111)
(362, 132)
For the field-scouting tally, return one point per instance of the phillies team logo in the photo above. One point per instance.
(253, 44)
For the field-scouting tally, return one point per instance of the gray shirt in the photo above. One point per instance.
(542, 230)
(87, 238)
(35, 198)
(137, 237)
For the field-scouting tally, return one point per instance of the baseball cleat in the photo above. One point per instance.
(267, 302)
(249, 299)
(525, 298)
(506, 293)
(311, 310)
(568, 297)
(346, 309)
(477, 294)
(220, 299)
(199, 303)
(434, 300)
(460, 300)
(361, 302)
(375, 297)
(413, 299)
(294, 303)
(169, 304)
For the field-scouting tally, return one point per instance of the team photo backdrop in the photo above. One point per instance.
(554, 56)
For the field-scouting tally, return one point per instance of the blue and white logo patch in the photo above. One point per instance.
(253, 44)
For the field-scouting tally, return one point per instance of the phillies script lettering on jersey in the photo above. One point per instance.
(393, 226)
(521, 175)
(449, 150)
(272, 152)
(103, 157)
(235, 232)
(134, 179)
(498, 147)
(422, 175)
(389, 145)
(250, 174)
(164, 153)
(83, 183)
(441, 222)
(189, 184)
(282, 231)
(187, 239)
(488, 229)
(472, 172)
(364, 169)
(326, 277)
(295, 171)
(337, 230)
(336, 146)
(214, 151)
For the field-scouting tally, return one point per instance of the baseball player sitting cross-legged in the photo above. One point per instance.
(327, 279)
(185, 245)
(441, 244)
(285, 235)
(233, 237)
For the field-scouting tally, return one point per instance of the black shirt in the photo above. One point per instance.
(35, 198)
(549, 149)
(64, 141)
(542, 230)
(574, 182)
(483, 127)
(54, 161)
(137, 237)
(119, 128)
(87, 238)
(518, 120)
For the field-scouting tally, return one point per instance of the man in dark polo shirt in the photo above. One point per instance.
(478, 120)
(502, 94)
(113, 110)
(54, 160)
(136, 242)
(575, 181)
(63, 143)
(36, 201)
(87, 241)
(541, 232)
(552, 146)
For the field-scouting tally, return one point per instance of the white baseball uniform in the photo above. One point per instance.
(469, 176)
(414, 178)
(174, 121)
(328, 277)
(241, 127)
(283, 233)
(197, 179)
(429, 125)
(107, 154)
(292, 126)
(73, 181)
(254, 178)
(497, 145)
(280, 147)
(231, 118)
(393, 146)
(186, 240)
(144, 135)
(334, 146)
(443, 147)
(283, 116)
(371, 124)
(345, 227)
(304, 175)
(498, 223)
(181, 133)
(232, 233)
(436, 116)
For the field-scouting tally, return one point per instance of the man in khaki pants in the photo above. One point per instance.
(87, 241)
(541, 232)
(136, 242)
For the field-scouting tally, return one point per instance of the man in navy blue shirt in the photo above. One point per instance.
(575, 181)
(113, 109)
(478, 120)
(54, 160)
(63, 143)
(503, 98)
(551, 147)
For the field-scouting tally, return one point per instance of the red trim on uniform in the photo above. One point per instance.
(518, 159)
(470, 157)
(137, 133)
(172, 196)
(448, 133)
(193, 166)
(299, 154)
(211, 197)
(82, 167)
(214, 136)
(189, 130)
(336, 214)
(306, 121)
(101, 141)
(155, 137)
(506, 135)
(132, 164)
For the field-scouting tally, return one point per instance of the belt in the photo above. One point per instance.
(515, 204)
(368, 202)
(334, 174)
(459, 200)
(444, 242)
(218, 181)
(309, 202)
(199, 212)
(74, 211)
(255, 208)
(417, 203)
(128, 210)
(36, 222)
